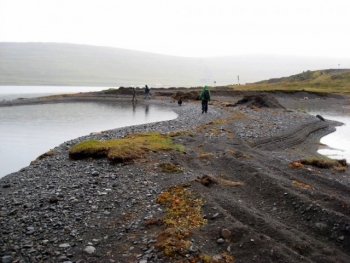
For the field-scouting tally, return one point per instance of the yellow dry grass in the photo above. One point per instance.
(302, 184)
(205, 155)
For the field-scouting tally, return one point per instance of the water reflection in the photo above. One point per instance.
(134, 107)
(28, 131)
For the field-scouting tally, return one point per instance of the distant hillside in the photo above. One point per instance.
(328, 80)
(317, 77)
(82, 65)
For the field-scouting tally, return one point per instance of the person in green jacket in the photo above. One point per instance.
(205, 97)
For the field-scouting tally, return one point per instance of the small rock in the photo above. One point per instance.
(67, 229)
(95, 173)
(17, 202)
(32, 250)
(215, 216)
(53, 199)
(27, 205)
(6, 259)
(89, 250)
(217, 257)
(341, 238)
(225, 233)
(220, 241)
(27, 245)
(321, 226)
(64, 245)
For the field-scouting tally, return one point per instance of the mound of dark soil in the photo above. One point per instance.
(191, 95)
(260, 101)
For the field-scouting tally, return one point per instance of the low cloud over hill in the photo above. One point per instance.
(81, 65)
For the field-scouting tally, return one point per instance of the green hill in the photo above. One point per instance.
(83, 65)
(328, 80)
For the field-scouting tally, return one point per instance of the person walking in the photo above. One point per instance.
(205, 97)
(133, 93)
(147, 92)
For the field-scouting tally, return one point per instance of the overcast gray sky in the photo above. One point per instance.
(191, 28)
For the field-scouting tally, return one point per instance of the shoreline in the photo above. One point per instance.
(56, 208)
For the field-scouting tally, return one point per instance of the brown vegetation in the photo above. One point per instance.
(44, 155)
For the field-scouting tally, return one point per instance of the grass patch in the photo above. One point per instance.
(170, 168)
(124, 150)
(215, 131)
(302, 110)
(58, 96)
(220, 121)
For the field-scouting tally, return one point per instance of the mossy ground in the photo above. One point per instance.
(124, 150)
(170, 168)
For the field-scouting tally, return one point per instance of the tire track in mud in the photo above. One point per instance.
(314, 210)
(270, 205)
(284, 214)
(292, 138)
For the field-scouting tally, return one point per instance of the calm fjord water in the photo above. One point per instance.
(14, 92)
(29, 131)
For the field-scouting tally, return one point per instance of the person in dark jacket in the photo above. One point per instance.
(205, 98)
(147, 92)
(133, 93)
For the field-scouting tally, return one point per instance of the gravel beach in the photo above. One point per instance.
(91, 210)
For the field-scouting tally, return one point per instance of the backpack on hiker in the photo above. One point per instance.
(206, 95)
